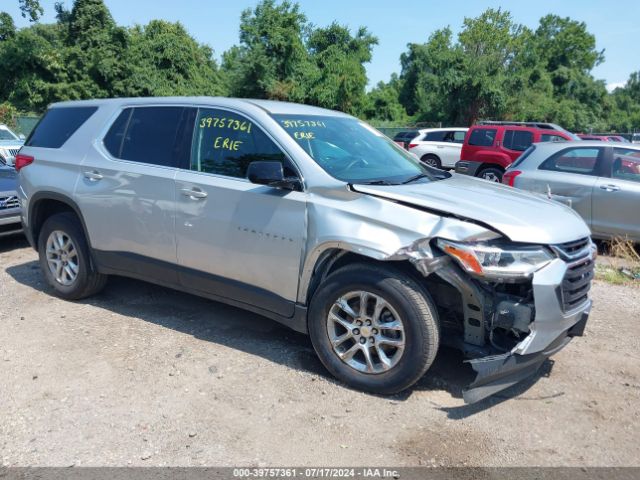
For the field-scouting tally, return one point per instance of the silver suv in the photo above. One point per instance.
(314, 219)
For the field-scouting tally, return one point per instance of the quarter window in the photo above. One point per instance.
(482, 137)
(57, 126)
(574, 160)
(626, 164)
(518, 140)
(226, 143)
(153, 135)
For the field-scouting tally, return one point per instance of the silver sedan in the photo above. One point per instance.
(599, 180)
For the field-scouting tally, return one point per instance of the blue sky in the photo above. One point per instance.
(396, 23)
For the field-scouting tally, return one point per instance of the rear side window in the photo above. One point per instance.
(547, 137)
(482, 137)
(626, 164)
(435, 136)
(57, 126)
(574, 160)
(518, 140)
(153, 135)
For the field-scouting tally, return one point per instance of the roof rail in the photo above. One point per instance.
(543, 125)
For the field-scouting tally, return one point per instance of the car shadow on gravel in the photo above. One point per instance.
(13, 242)
(236, 328)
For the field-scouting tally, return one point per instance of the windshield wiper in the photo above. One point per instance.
(416, 177)
(379, 182)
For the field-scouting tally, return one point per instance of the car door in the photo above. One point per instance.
(236, 239)
(126, 190)
(514, 142)
(450, 148)
(616, 196)
(569, 177)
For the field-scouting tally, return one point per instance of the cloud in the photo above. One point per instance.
(612, 86)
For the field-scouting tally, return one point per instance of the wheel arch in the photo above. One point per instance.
(45, 204)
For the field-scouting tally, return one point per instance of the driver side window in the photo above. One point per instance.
(225, 143)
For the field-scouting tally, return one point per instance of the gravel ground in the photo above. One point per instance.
(142, 375)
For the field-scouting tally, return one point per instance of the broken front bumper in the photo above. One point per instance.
(551, 330)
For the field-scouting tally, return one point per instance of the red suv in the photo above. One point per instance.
(490, 147)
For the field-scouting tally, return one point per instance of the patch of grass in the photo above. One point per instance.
(627, 253)
(611, 275)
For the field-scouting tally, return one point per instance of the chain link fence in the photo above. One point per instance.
(26, 123)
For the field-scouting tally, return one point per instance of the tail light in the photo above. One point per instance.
(411, 145)
(22, 161)
(509, 177)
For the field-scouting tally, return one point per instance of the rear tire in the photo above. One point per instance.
(431, 160)
(405, 328)
(65, 259)
(491, 174)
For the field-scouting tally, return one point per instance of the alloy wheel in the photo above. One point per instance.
(366, 332)
(62, 258)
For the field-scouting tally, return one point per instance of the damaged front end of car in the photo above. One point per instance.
(507, 306)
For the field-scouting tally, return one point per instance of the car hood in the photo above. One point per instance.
(519, 215)
(8, 179)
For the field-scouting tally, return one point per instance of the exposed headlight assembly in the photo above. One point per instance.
(498, 263)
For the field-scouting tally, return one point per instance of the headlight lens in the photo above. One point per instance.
(497, 262)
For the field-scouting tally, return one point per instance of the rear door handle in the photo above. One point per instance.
(93, 175)
(193, 194)
(610, 188)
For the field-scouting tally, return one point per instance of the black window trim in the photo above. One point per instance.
(604, 158)
(197, 107)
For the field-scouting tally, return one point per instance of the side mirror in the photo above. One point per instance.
(272, 175)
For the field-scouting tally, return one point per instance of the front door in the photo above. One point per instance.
(236, 239)
(616, 198)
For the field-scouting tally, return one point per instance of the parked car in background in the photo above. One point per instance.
(603, 138)
(635, 138)
(10, 221)
(404, 138)
(599, 180)
(10, 143)
(438, 147)
(490, 147)
(314, 219)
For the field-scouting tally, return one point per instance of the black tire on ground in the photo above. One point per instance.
(412, 303)
(491, 174)
(431, 160)
(88, 281)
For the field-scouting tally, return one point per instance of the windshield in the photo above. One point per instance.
(6, 134)
(354, 152)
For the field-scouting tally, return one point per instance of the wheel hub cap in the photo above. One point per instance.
(366, 332)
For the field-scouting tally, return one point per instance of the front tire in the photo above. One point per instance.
(374, 328)
(431, 160)
(65, 260)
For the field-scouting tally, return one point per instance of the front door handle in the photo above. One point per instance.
(93, 175)
(610, 188)
(193, 194)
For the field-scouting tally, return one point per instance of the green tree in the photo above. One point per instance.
(340, 78)
(163, 59)
(382, 103)
(31, 9)
(7, 27)
(271, 60)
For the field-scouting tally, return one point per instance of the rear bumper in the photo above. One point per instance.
(467, 168)
(497, 372)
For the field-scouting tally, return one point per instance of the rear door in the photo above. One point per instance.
(126, 189)
(236, 239)
(450, 147)
(616, 196)
(515, 141)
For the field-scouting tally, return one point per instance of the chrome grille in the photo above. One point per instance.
(13, 151)
(9, 202)
(577, 280)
